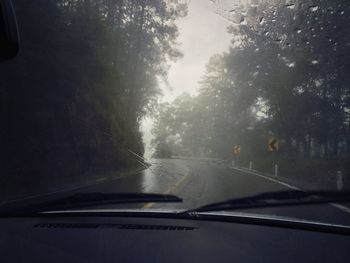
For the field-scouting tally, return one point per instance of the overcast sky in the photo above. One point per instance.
(202, 34)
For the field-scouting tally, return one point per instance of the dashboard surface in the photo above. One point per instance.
(123, 239)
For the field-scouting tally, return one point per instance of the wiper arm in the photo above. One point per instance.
(277, 199)
(92, 199)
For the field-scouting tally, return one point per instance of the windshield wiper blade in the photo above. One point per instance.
(92, 199)
(277, 199)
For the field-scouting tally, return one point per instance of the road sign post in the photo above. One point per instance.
(276, 170)
(236, 153)
(273, 147)
(340, 180)
(236, 149)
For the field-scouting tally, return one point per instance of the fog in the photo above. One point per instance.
(202, 33)
(83, 95)
(282, 79)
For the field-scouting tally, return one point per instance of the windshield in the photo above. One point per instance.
(207, 100)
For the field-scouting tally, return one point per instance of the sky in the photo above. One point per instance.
(202, 34)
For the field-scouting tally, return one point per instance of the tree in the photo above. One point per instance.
(87, 73)
(285, 74)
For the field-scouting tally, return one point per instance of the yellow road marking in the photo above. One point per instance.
(148, 205)
(171, 189)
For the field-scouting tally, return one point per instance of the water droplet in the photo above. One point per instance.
(262, 21)
(291, 65)
(342, 12)
(313, 8)
(298, 30)
(290, 6)
(243, 21)
(314, 62)
(329, 38)
(257, 50)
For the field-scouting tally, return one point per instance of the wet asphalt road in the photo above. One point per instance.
(199, 183)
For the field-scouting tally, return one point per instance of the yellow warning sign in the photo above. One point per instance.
(237, 149)
(273, 144)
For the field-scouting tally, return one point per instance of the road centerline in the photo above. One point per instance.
(170, 190)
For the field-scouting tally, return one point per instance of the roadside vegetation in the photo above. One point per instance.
(86, 75)
(285, 76)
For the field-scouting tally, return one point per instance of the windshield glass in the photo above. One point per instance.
(207, 100)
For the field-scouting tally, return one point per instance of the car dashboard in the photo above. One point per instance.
(150, 239)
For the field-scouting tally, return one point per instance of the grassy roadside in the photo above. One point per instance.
(312, 174)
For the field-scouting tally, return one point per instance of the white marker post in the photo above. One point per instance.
(250, 165)
(276, 170)
(340, 180)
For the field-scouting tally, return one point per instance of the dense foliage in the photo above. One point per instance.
(87, 73)
(286, 75)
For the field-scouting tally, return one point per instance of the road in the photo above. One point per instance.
(199, 183)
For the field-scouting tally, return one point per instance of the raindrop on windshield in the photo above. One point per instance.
(314, 62)
(290, 65)
(243, 21)
(290, 6)
(262, 21)
(313, 8)
(329, 38)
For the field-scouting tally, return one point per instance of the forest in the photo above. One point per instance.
(86, 75)
(285, 76)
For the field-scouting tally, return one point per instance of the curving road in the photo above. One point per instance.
(202, 182)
